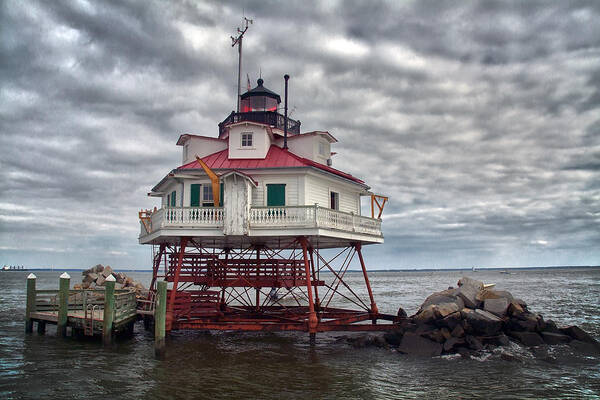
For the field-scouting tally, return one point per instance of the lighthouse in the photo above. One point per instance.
(257, 230)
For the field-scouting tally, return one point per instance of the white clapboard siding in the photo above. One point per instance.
(318, 192)
(259, 194)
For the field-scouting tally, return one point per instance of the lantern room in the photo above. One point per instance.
(259, 99)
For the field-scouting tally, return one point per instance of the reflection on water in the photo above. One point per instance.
(283, 365)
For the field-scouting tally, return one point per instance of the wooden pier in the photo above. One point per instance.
(88, 312)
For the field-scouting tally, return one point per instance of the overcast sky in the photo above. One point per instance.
(480, 120)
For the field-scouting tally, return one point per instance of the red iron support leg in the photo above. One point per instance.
(374, 310)
(314, 277)
(312, 316)
(171, 304)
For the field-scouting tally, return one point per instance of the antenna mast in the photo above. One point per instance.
(238, 41)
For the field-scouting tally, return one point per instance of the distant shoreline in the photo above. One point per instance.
(468, 269)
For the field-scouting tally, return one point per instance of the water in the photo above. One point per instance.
(283, 365)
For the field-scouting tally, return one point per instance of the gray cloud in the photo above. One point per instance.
(479, 118)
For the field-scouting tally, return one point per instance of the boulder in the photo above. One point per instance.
(496, 306)
(458, 332)
(473, 342)
(515, 309)
(466, 281)
(107, 271)
(579, 334)
(425, 316)
(424, 328)
(526, 321)
(446, 333)
(528, 339)
(416, 345)
(551, 326)
(585, 347)
(521, 303)
(450, 321)
(393, 338)
(494, 294)
(100, 280)
(555, 338)
(445, 296)
(435, 335)
(468, 294)
(453, 343)
(90, 277)
(401, 313)
(120, 278)
(445, 309)
(496, 340)
(482, 322)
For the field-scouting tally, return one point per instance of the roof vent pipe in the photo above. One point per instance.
(286, 77)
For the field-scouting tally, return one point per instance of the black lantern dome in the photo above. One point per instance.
(259, 99)
(260, 105)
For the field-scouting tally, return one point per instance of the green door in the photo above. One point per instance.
(275, 194)
(195, 195)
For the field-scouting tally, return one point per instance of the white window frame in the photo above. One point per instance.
(337, 199)
(247, 135)
(207, 189)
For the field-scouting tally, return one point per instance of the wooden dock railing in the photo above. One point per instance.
(89, 310)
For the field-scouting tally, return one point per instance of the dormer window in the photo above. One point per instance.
(323, 149)
(247, 139)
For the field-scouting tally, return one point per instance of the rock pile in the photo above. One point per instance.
(471, 317)
(95, 277)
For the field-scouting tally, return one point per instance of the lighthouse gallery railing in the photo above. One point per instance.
(313, 217)
(267, 217)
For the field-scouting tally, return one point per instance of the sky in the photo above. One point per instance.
(479, 119)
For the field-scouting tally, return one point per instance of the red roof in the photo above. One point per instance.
(276, 158)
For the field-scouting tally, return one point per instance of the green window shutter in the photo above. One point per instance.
(195, 195)
(275, 195)
(173, 199)
(221, 196)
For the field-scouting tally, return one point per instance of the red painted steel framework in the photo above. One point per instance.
(258, 288)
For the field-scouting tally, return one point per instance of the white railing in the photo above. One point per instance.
(193, 217)
(265, 217)
(312, 217)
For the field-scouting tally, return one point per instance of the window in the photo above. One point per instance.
(335, 200)
(247, 139)
(207, 196)
(173, 199)
(323, 149)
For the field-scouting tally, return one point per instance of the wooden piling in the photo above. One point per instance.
(160, 311)
(63, 304)
(41, 327)
(30, 306)
(109, 310)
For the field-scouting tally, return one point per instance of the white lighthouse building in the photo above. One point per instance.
(250, 210)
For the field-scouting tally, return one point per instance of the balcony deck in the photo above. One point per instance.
(266, 225)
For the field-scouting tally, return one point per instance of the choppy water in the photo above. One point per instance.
(282, 366)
